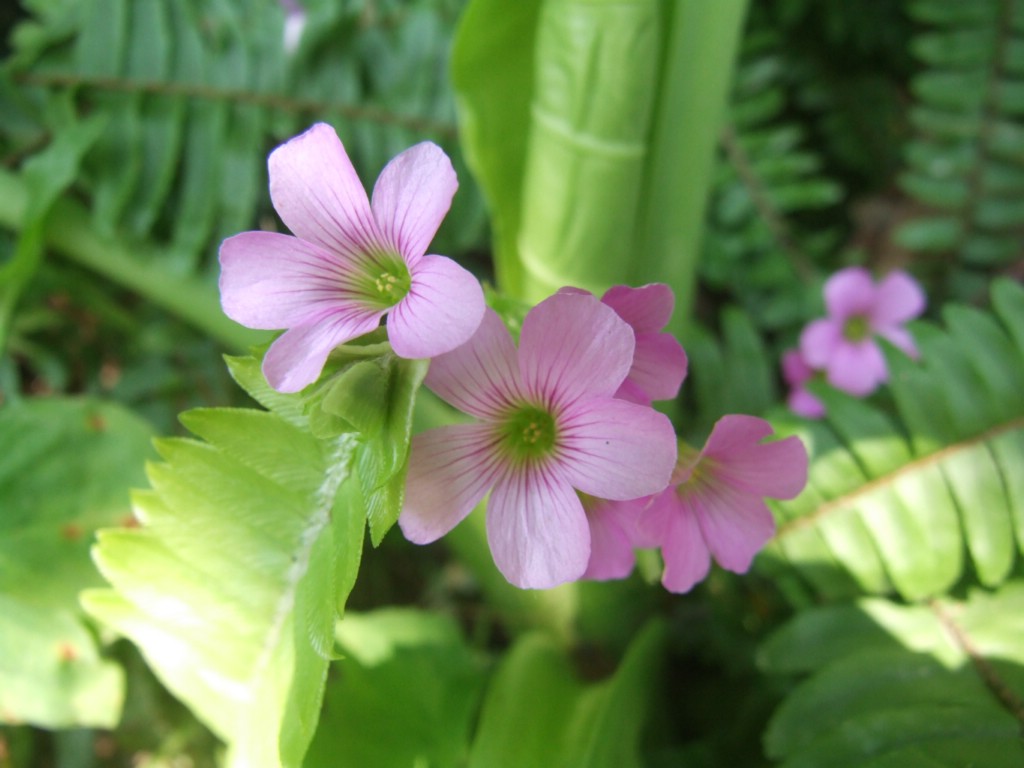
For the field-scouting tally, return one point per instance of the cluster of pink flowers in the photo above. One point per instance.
(842, 348)
(579, 468)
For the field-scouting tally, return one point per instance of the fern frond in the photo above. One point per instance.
(909, 502)
(755, 248)
(936, 686)
(965, 160)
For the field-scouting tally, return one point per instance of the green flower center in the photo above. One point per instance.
(856, 328)
(528, 434)
(387, 280)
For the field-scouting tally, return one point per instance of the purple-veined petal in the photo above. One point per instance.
(686, 555)
(442, 310)
(573, 346)
(735, 524)
(898, 298)
(632, 393)
(611, 547)
(659, 365)
(857, 368)
(819, 341)
(735, 455)
(537, 529)
(296, 358)
(411, 197)
(270, 281)
(450, 470)
(901, 339)
(481, 377)
(646, 309)
(616, 450)
(316, 192)
(849, 292)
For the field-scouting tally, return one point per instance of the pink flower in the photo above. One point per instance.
(843, 344)
(659, 362)
(797, 373)
(548, 424)
(351, 261)
(714, 505)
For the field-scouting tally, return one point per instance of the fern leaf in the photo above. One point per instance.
(908, 502)
(232, 586)
(936, 685)
(964, 162)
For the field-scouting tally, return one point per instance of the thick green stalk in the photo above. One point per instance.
(69, 232)
(702, 44)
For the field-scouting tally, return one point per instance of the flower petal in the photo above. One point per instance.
(616, 450)
(849, 292)
(795, 370)
(646, 309)
(296, 358)
(735, 455)
(857, 368)
(819, 341)
(443, 308)
(481, 377)
(901, 339)
(450, 470)
(270, 281)
(573, 346)
(611, 546)
(537, 530)
(659, 365)
(686, 555)
(735, 524)
(899, 298)
(411, 197)
(316, 192)
(803, 403)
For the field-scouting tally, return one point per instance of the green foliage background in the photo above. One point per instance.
(212, 602)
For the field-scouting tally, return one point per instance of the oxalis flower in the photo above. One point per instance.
(797, 373)
(659, 361)
(713, 506)
(350, 261)
(844, 345)
(548, 425)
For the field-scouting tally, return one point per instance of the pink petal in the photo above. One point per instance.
(659, 365)
(537, 530)
(318, 195)
(857, 368)
(443, 308)
(735, 455)
(450, 470)
(686, 555)
(819, 341)
(901, 339)
(481, 377)
(272, 281)
(411, 197)
(573, 346)
(899, 298)
(735, 524)
(296, 358)
(794, 369)
(611, 547)
(849, 292)
(616, 450)
(646, 309)
(803, 403)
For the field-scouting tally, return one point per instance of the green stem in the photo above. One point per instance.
(68, 231)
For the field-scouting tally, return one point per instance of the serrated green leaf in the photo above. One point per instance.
(232, 587)
(66, 470)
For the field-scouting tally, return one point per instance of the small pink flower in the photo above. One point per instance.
(797, 373)
(714, 505)
(351, 262)
(843, 344)
(548, 425)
